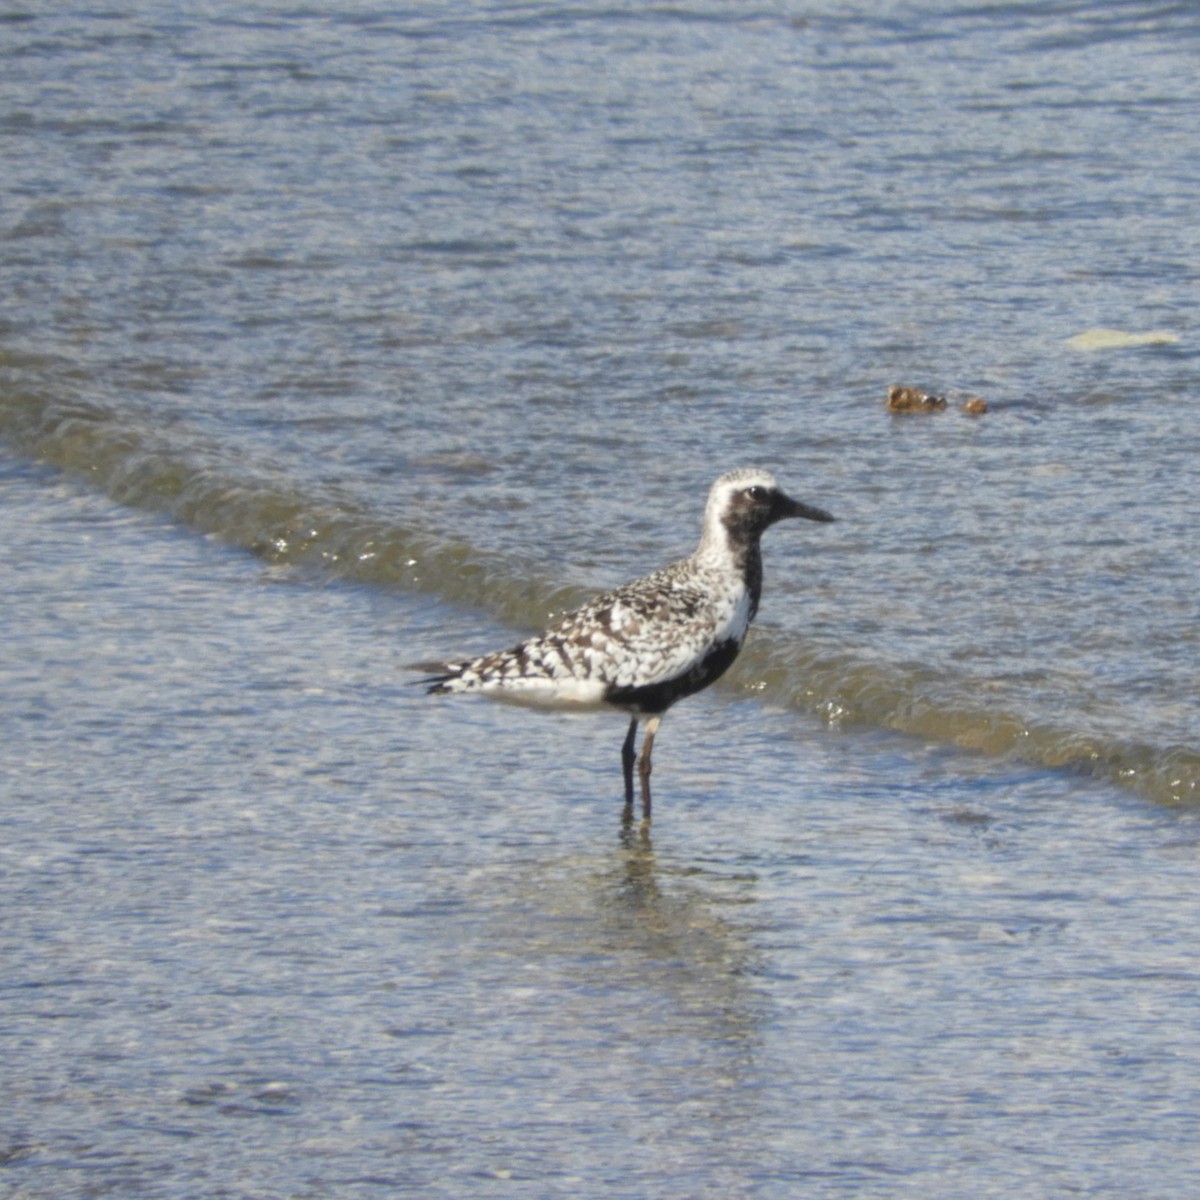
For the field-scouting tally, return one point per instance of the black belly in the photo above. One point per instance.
(658, 697)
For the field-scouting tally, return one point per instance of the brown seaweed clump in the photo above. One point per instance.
(912, 400)
(915, 400)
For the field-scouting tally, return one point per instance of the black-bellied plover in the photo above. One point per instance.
(642, 647)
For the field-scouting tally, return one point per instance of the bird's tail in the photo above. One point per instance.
(440, 677)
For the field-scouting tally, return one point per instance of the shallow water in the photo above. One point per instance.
(334, 341)
(523, 280)
(271, 928)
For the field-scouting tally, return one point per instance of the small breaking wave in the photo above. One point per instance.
(255, 507)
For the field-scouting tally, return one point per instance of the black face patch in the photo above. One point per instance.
(749, 512)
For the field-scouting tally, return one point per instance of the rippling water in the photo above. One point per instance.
(450, 314)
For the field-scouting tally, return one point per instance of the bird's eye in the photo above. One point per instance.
(756, 492)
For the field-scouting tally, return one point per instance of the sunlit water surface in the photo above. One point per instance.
(334, 340)
(278, 925)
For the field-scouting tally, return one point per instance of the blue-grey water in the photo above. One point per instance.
(337, 339)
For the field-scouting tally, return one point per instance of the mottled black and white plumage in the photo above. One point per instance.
(642, 647)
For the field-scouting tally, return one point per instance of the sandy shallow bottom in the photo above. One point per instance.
(277, 924)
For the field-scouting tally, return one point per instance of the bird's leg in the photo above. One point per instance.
(627, 758)
(644, 767)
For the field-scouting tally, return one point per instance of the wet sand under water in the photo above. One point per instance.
(276, 923)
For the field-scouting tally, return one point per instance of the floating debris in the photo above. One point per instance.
(902, 399)
(1118, 339)
(911, 399)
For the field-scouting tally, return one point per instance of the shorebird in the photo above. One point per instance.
(641, 647)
